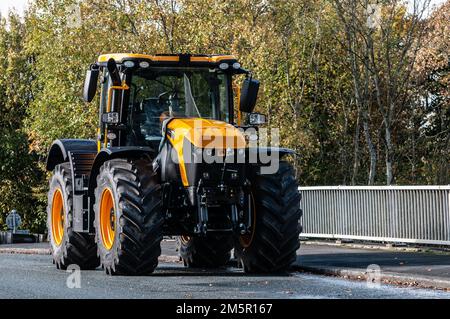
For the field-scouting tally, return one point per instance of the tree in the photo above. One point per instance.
(382, 56)
(19, 174)
(430, 123)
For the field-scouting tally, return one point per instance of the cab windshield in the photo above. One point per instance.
(160, 93)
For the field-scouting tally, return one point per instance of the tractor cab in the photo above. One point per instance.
(140, 92)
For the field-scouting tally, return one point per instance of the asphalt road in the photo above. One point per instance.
(34, 276)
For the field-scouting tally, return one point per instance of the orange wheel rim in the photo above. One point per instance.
(185, 239)
(57, 217)
(107, 219)
(247, 239)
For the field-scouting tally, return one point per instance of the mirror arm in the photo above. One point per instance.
(238, 98)
(113, 72)
(246, 72)
(123, 87)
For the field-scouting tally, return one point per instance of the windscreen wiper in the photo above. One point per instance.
(190, 102)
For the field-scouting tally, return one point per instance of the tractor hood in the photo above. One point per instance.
(192, 139)
(203, 133)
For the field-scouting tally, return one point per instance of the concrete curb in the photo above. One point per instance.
(47, 251)
(26, 251)
(386, 277)
(365, 246)
(169, 259)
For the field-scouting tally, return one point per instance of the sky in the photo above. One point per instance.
(433, 3)
(19, 5)
(5, 5)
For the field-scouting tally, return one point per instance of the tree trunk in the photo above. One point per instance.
(389, 154)
(356, 150)
(371, 148)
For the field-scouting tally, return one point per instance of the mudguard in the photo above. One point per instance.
(107, 154)
(59, 151)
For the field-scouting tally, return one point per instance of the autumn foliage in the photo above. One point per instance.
(390, 128)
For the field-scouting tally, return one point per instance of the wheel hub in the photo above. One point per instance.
(107, 219)
(57, 217)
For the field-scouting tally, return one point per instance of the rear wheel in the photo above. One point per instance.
(274, 239)
(211, 251)
(128, 217)
(68, 247)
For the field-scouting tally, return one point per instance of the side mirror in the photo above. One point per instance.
(257, 119)
(249, 94)
(90, 83)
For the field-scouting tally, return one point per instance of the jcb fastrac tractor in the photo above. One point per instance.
(171, 158)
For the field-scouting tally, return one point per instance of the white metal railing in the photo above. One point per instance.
(407, 214)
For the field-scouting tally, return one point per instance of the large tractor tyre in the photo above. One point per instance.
(274, 239)
(128, 217)
(68, 246)
(212, 251)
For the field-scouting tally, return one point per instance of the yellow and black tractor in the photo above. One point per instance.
(172, 157)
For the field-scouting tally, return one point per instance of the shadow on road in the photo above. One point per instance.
(169, 271)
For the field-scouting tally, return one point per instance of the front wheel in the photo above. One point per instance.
(128, 217)
(68, 246)
(274, 239)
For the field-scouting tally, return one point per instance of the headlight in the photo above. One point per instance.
(224, 66)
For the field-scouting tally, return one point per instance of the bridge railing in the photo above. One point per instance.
(407, 214)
